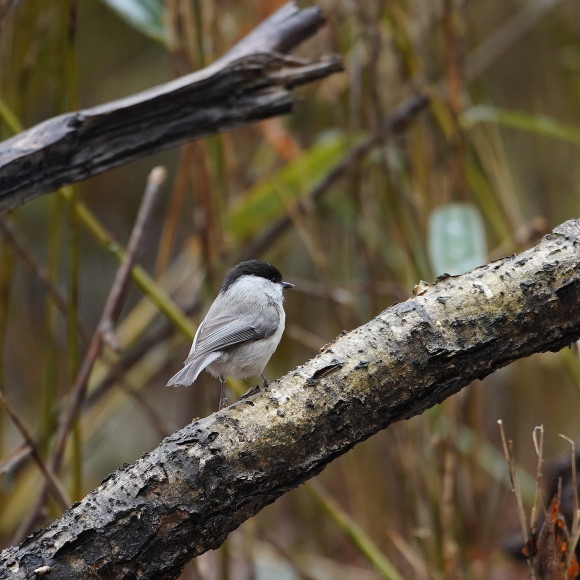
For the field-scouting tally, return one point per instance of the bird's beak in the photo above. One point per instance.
(287, 285)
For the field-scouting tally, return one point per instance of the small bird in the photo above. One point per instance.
(242, 328)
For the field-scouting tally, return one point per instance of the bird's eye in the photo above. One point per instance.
(273, 280)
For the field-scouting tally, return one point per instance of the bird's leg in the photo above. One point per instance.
(223, 399)
(254, 390)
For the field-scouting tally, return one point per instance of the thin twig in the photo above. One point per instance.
(14, 458)
(52, 481)
(395, 124)
(505, 36)
(120, 284)
(450, 550)
(134, 355)
(110, 312)
(575, 530)
(509, 457)
(12, 236)
(539, 447)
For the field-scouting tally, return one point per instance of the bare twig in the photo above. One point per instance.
(110, 313)
(539, 447)
(396, 123)
(507, 35)
(14, 458)
(119, 288)
(508, 452)
(13, 237)
(575, 529)
(450, 549)
(51, 479)
(509, 457)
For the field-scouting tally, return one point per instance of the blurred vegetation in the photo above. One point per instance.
(489, 166)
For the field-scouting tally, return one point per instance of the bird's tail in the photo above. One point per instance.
(190, 371)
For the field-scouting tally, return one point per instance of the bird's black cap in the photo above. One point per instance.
(253, 268)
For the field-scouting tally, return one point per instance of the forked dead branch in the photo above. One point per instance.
(252, 81)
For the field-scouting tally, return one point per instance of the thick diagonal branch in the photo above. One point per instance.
(252, 81)
(148, 519)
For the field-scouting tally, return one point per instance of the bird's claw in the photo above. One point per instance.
(251, 391)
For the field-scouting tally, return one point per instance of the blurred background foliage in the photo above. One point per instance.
(489, 165)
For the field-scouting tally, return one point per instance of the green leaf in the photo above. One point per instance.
(456, 239)
(146, 16)
(267, 200)
(539, 124)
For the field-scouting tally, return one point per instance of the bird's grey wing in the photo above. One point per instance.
(225, 331)
(217, 333)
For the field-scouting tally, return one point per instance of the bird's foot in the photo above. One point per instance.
(223, 403)
(251, 391)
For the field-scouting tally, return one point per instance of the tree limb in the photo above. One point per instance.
(148, 519)
(251, 82)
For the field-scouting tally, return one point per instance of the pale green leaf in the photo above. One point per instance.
(456, 239)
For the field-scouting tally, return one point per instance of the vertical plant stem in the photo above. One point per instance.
(509, 457)
(70, 84)
(538, 438)
(454, 97)
(72, 342)
(6, 273)
(224, 553)
(575, 528)
(450, 549)
(175, 210)
(198, 23)
(51, 350)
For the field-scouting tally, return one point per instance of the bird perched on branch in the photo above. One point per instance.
(242, 328)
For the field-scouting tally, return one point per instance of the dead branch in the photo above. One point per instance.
(252, 81)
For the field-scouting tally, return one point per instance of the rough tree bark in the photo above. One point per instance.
(148, 519)
(251, 82)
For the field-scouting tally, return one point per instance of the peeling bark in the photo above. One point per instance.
(148, 519)
(251, 82)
